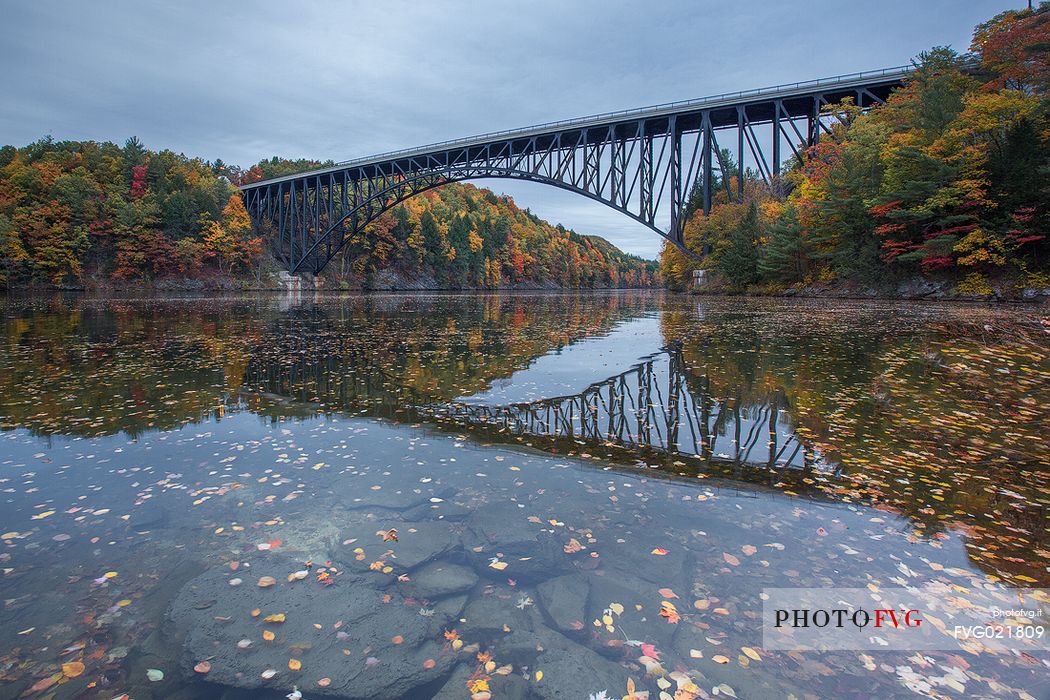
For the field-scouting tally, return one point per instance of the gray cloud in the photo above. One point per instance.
(244, 81)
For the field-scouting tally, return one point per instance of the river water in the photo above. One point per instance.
(517, 496)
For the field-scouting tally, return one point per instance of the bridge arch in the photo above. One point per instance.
(336, 235)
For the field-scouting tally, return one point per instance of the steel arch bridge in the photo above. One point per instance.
(642, 162)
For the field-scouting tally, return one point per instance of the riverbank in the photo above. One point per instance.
(273, 283)
(907, 290)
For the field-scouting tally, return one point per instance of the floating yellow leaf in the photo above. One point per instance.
(539, 676)
(267, 581)
(295, 664)
(751, 653)
(268, 635)
(719, 659)
(616, 608)
(72, 669)
(276, 617)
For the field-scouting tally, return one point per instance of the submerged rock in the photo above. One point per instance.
(576, 674)
(438, 580)
(499, 531)
(564, 600)
(369, 642)
(422, 542)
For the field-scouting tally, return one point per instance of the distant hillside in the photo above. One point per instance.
(76, 214)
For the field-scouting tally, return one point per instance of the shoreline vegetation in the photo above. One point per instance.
(942, 192)
(97, 217)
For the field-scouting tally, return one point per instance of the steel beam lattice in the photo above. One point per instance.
(644, 163)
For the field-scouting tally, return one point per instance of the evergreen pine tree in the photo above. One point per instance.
(739, 262)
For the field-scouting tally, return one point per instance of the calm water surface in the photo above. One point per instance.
(440, 496)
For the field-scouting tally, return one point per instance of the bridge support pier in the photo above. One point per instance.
(290, 283)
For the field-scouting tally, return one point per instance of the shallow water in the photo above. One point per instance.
(557, 468)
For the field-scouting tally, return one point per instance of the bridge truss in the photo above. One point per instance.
(644, 163)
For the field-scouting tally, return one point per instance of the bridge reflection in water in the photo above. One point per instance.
(657, 407)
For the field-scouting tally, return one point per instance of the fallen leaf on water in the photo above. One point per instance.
(72, 669)
(730, 559)
(539, 676)
(45, 683)
(276, 617)
(669, 611)
(751, 653)
(702, 604)
(659, 551)
(268, 673)
(667, 593)
(155, 674)
(429, 663)
(268, 635)
(719, 659)
(267, 581)
(749, 549)
(397, 639)
(295, 664)
(202, 667)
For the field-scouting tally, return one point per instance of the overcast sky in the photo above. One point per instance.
(246, 80)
